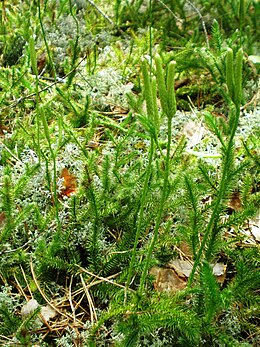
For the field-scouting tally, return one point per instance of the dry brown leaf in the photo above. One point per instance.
(167, 280)
(69, 185)
(235, 202)
(2, 219)
(220, 271)
(183, 269)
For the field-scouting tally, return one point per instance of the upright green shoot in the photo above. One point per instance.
(167, 94)
(234, 85)
(75, 47)
(53, 70)
(40, 116)
(149, 98)
(53, 156)
(241, 16)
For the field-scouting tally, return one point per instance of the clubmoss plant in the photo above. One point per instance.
(151, 119)
(167, 94)
(234, 83)
(53, 70)
(96, 192)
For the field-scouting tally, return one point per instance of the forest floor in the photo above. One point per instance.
(96, 249)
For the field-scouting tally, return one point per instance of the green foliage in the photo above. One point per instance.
(79, 93)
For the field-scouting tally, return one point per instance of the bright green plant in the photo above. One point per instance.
(137, 326)
(167, 97)
(139, 193)
(229, 169)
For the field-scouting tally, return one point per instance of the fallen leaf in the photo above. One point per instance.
(69, 184)
(183, 269)
(194, 133)
(48, 312)
(220, 271)
(41, 61)
(235, 202)
(2, 219)
(167, 280)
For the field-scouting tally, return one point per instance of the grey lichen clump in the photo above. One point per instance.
(61, 38)
(107, 88)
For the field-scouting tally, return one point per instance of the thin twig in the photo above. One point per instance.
(104, 279)
(202, 21)
(20, 288)
(93, 315)
(25, 278)
(101, 12)
(168, 9)
(67, 316)
(5, 337)
(70, 300)
(59, 80)
(8, 150)
(254, 101)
